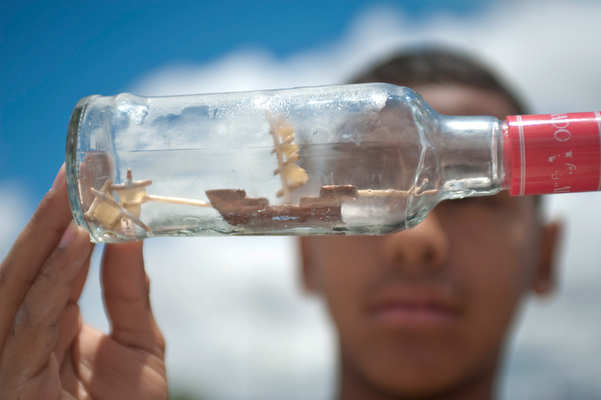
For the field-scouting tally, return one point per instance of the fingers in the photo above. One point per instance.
(108, 370)
(80, 279)
(68, 327)
(34, 245)
(70, 322)
(126, 296)
(33, 334)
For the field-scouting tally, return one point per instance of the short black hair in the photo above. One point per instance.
(437, 65)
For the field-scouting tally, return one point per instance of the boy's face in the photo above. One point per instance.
(426, 310)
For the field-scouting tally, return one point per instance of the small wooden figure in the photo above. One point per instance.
(108, 212)
(131, 194)
(113, 215)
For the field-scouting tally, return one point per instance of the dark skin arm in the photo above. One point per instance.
(46, 351)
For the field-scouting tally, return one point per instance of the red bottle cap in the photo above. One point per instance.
(553, 153)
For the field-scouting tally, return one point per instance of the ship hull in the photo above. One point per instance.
(322, 211)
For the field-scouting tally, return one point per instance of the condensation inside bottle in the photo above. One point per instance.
(335, 160)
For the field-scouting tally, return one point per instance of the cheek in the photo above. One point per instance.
(345, 261)
(494, 267)
(500, 257)
(345, 266)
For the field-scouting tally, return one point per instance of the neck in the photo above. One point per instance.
(471, 163)
(355, 386)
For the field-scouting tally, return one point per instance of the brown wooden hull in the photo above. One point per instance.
(237, 209)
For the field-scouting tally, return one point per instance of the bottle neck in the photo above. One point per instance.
(471, 156)
(553, 153)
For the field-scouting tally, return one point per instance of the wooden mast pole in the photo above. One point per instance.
(280, 158)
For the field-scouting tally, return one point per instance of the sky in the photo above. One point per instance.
(243, 312)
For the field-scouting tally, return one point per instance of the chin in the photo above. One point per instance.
(413, 369)
(414, 382)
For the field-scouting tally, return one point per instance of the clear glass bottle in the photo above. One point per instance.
(345, 159)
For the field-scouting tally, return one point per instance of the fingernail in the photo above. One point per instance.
(59, 177)
(69, 235)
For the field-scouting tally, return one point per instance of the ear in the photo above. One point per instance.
(308, 263)
(545, 278)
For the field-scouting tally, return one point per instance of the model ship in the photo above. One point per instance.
(237, 209)
(233, 204)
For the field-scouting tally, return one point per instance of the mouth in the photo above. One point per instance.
(411, 308)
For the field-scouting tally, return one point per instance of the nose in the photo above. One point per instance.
(425, 246)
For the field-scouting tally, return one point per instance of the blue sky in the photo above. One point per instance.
(54, 53)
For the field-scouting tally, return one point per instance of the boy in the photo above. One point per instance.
(424, 313)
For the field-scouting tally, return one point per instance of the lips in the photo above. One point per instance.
(415, 307)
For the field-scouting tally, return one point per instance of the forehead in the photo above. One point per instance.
(455, 99)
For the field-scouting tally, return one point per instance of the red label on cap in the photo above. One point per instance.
(554, 153)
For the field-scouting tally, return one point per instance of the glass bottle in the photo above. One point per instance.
(344, 159)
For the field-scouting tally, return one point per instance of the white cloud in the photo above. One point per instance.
(15, 209)
(245, 309)
(550, 54)
(240, 312)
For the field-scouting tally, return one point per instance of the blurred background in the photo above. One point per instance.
(237, 323)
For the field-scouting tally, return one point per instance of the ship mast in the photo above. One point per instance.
(291, 175)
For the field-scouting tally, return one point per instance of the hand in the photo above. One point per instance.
(46, 352)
